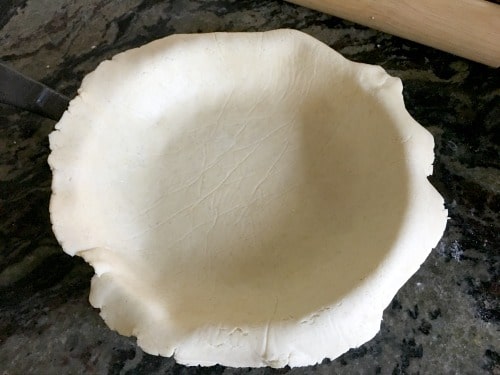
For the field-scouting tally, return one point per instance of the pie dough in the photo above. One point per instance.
(247, 199)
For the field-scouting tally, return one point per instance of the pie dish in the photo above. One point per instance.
(247, 199)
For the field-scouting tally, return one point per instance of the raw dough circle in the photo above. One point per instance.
(247, 199)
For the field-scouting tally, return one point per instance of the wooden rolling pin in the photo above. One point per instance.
(467, 28)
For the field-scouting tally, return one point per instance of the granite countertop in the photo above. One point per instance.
(445, 320)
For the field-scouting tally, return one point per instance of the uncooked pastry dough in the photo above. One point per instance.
(248, 199)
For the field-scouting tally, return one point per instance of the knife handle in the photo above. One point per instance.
(25, 93)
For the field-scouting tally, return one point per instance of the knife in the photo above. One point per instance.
(25, 93)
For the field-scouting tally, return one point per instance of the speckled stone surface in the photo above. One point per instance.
(445, 320)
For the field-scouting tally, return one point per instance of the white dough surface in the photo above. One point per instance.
(247, 199)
